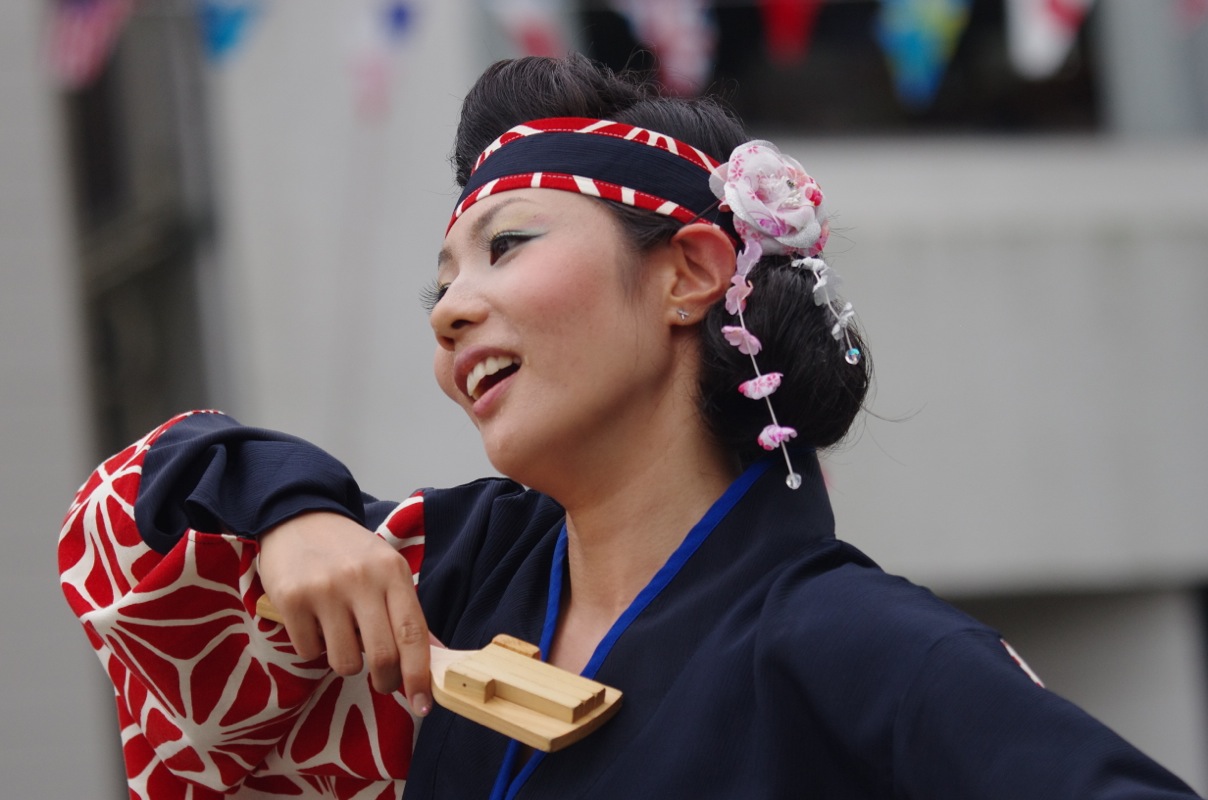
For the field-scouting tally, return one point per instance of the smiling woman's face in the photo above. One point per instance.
(539, 340)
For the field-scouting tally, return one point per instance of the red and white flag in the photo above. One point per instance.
(1192, 14)
(788, 26)
(1040, 34)
(379, 30)
(82, 35)
(535, 27)
(682, 35)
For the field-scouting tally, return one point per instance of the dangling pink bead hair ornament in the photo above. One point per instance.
(778, 210)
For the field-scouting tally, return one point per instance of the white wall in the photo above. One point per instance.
(58, 731)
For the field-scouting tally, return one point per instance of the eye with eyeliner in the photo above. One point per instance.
(501, 243)
(497, 245)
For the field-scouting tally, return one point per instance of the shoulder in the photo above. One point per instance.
(492, 512)
(849, 640)
(477, 537)
(865, 657)
(837, 594)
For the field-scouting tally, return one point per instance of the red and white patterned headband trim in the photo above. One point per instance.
(601, 127)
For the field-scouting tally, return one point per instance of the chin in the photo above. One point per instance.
(507, 455)
(523, 460)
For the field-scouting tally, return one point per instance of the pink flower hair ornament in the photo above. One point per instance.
(778, 210)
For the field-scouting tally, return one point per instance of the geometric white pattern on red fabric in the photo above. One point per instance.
(212, 701)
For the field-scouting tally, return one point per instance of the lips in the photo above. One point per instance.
(488, 372)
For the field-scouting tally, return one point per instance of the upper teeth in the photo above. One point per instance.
(489, 366)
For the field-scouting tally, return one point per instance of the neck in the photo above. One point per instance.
(633, 486)
(621, 534)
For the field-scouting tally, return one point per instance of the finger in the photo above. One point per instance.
(381, 652)
(340, 638)
(300, 625)
(304, 635)
(411, 639)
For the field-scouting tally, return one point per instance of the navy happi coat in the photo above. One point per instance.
(767, 659)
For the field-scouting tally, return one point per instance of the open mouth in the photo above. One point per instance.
(489, 372)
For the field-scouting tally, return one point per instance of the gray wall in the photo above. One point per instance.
(329, 230)
(58, 733)
(1036, 312)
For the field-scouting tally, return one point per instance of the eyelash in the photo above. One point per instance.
(431, 294)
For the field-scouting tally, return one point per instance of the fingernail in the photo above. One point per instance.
(421, 705)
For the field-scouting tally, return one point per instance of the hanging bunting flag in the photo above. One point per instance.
(1040, 34)
(1192, 14)
(82, 36)
(397, 18)
(788, 27)
(381, 29)
(535, 27)
(682, 35)
(224, 25)
(919, 38)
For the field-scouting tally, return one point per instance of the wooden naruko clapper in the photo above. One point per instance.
(508, 688)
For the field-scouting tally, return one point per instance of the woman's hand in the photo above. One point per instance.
(331, 579)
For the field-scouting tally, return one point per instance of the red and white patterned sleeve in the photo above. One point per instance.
(212, 700)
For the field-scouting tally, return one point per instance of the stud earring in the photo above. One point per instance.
(683, 315)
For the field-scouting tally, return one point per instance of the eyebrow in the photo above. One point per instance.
(446, 254)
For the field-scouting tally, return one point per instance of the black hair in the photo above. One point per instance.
(821, 393)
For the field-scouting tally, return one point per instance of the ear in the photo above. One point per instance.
(702, 264)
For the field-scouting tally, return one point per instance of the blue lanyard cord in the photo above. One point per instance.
(503, 780)
(506, 788)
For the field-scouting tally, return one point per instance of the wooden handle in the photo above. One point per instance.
(266, 609)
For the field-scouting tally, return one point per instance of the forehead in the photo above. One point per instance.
(549, 207)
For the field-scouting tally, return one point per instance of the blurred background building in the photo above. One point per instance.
(236, 203)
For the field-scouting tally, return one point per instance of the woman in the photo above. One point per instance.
(619, 272)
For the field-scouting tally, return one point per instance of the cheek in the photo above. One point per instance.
(442, 368)
(576, 296)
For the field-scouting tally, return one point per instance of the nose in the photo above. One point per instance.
(459, 309)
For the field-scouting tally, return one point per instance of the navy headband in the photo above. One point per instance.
(599, 158)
